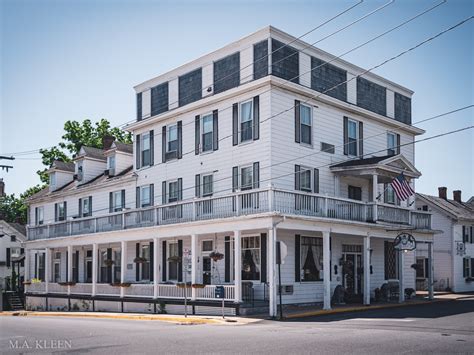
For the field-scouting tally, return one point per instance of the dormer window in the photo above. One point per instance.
(52, 179)
(80, 174)
(111, 162)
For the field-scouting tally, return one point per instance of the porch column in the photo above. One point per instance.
(271, 271)
(156, 268)
(194, 253)
(401, 290)
(123, 265)
(238, 266)
(27, 266)
(47, 268)
(69, 267)
(367, 270)
(375, 185)
(94, 268)
(327, 270)
(337, 186)
(430, 271)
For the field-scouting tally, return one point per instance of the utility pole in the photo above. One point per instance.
(6, 166)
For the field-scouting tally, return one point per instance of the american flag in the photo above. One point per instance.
(401, 187)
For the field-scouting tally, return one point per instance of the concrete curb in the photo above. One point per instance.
(151, 317)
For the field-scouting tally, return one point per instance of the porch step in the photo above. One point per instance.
(258, 307)
(14, 301)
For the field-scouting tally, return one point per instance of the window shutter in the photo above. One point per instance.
(472, 267)
(137, 265)
(215, 130)
(67, 265)
(109, 268)
(464, 267)
(123, 199)
(427, 268)
(235, 124)
(36, 266)
(55, 212)
(472, 234)
(197, 185)
(263, 257)
(346, 136)
(137, 151)
(163, 144)
(197, 134)
(139, 106)
(180, 189)
(163, 192)
(22, 262)
(227, 259)
(152, 260)
(8, 257)
(90, 205)
(297, 122)
(256, 118)
(111, 202)
(36, 216)
(137, 197)
(180, 264)
(75, 275)
(316, 181)
(398, 144)
(464, 236)
(152, 194)
(297, 177)
(297, 258)
(256, 175)
(235, 178)
(152, 147)
(163, 261)
(65, 210)
(361, 140)
(80, 208)
(180, 139)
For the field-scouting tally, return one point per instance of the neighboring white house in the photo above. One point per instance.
(12, 239)
(454, 247)
(232, 153)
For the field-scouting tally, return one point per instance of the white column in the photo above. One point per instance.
(401, 293)
(337, 187)
(272, 275)
(327, 270)
(238, 266)
(123, 265)
(430, 271)
(194, 255)
(95, 250)
(367, 270)
(156, 264)
(375, 188)
(69, 267)
(47, 269)
(27, 265)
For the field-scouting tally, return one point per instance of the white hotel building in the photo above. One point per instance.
(232, 153)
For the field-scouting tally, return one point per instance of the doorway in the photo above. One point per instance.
(352, 272)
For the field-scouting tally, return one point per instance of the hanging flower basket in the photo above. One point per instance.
(174, 259)
(216, 256)
(118, 284)
(182, 285)
(108, 262)
(26, 282)
(139, 260)
(198, 285)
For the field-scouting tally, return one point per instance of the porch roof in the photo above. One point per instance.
(386, 166)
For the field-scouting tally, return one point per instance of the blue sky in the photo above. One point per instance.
(71, 60)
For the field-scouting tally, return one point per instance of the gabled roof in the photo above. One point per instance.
(63, 166)
(460, 210)
(122, 147)
(19, 229)
(91, 152)
(363, 161)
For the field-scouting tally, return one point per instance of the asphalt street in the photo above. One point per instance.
(440, 328)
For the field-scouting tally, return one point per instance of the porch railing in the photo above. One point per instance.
(236, 204)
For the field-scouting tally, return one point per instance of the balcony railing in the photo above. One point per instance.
(237, 204)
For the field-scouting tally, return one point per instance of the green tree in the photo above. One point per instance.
(14, 209)
(78, 134)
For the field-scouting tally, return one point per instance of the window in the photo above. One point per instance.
(246, 121)
(390, 196)
(61, 211)
(118, 202)
(306, 122)
(207, 132)
(15, 252)
(468, 234)
(190, 87)
(352, 135)
(355, 193)
(86, 208)
(103, 277)
(111, 162)
(117, 257)
(39, 215)
(421, 268)
(468, 267)
(57, 267)
(246, 174)
(207, 182)
(41, 269)
(227, 73)
(80, 170)
(207, 246)
(145, 149)
(251, 258)
(145, 266)
(173, 263)
(88, 266)
(311, 259)
(172, 139)
(390, 261)
(52, 179)
(173, 191)
(391, 144)
(305, 179)
(145, 196)
(75, 271)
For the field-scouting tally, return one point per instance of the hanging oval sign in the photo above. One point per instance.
(405, 241)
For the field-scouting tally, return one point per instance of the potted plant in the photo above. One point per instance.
(108, 262)
(216, 256)
(139, 260)
(174, 259)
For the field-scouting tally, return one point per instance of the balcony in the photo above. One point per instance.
(235, 205)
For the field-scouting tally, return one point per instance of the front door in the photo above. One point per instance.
(352, 273)
(206, 270)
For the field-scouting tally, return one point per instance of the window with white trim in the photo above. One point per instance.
(145, 196)
(145, 266)
(85, 207)
(207, 185)
(305, 179)
(61, 211)
(421, 267)
(353, 134)
(52, 179)
(145, 151)
(117, 200)
(207, 132)
(306, 122)
(391, 143)
(173, 191)
(40, 215)
(311, 258)
(172, 262)
(246, 176)
(246, 121)
(172, 138)
(111, 162)
(57, 267)
(251, 262)
(468, 267)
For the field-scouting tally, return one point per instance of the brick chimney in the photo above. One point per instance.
(443, 192)
(457, 196)
(107, 142)
(2, 188)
